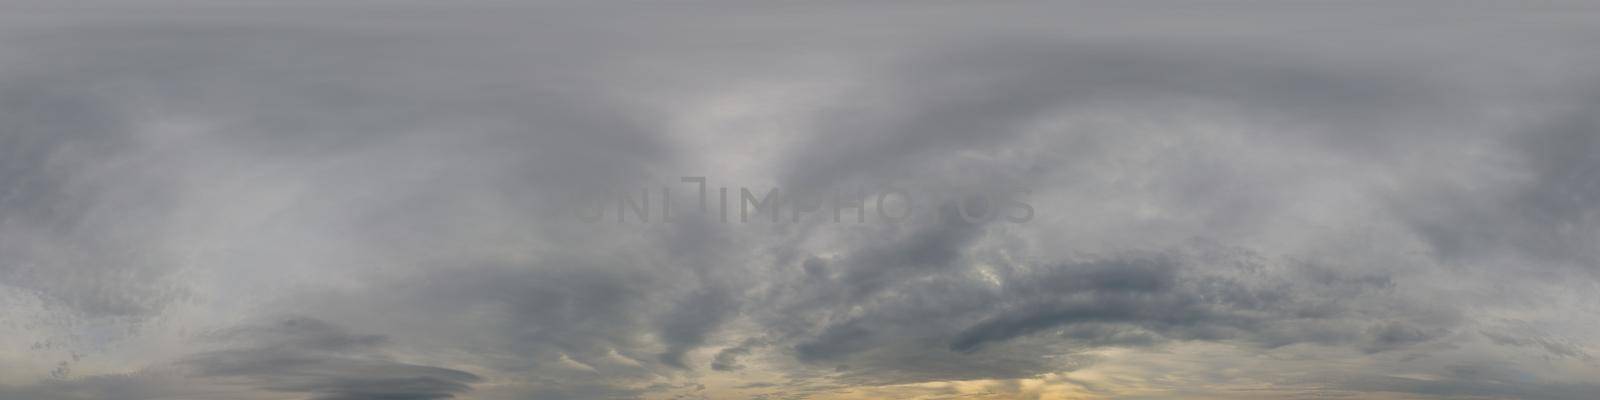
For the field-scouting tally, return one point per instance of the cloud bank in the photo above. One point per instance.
(359, 201)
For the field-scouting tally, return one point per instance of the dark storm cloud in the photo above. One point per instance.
(577, 327)
(727, 359)
(685, 327)
(300, 356)
(944, 327)
(916, 284)
(313, 357)
(1120, 286)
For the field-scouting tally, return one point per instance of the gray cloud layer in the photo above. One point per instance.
(1232, 200)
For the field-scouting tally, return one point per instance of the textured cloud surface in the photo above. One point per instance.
(359, 201)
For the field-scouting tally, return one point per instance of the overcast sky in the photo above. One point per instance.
(363, 200)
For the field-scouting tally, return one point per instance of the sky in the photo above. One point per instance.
(497, 200)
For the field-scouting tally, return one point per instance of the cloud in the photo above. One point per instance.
(1545, 212)
(1263, 201)
(302, 355)
(727, 359)
(138, 386)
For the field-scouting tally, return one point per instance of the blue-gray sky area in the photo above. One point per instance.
(365, 200)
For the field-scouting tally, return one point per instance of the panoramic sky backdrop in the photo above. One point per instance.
(365, 200)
